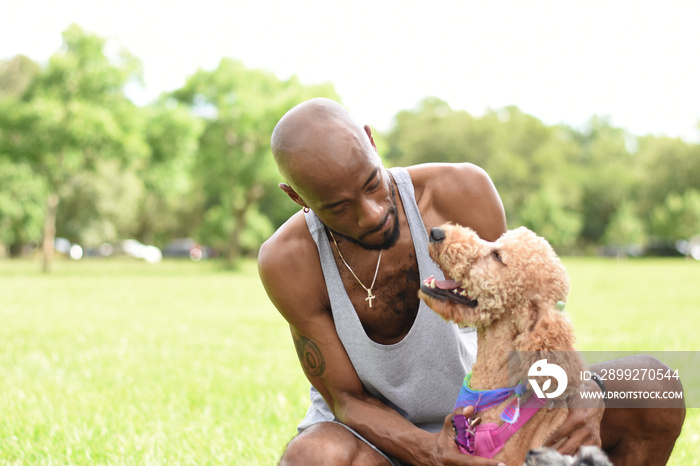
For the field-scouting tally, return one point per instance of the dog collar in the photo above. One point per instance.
(485, 440)
(482, 400)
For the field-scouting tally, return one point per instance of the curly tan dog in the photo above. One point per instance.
(509, 290)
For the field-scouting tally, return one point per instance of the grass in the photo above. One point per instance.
(126, 363)
(107, 362)
(644, 306)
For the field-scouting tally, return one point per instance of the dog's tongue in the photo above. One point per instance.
(441, 284)
(447, 284)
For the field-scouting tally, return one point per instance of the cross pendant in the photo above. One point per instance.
(369, 297)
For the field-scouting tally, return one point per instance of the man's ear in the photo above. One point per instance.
(369, 135)
(289, 191)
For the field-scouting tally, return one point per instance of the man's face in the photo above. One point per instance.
(360, 206)
(388, 229)
(337, 173)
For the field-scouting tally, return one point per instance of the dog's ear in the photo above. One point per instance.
(546, 333)
(543, 327)
(540, 324)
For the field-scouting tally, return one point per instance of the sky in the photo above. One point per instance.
(634, 62)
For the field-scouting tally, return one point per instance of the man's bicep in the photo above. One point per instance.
(297, 291)
(469, 198)
(325, 362)
(310, 355)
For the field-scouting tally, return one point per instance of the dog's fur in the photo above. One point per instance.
(514, 285)
(586, 456)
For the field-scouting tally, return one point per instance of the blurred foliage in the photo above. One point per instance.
(72, 115)
(22, 194)
(16, 74)
(577, 187)
(234, 169)
(79, 159)
(678, 216)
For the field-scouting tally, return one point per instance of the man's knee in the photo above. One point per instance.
(329, 443)
(638, 431)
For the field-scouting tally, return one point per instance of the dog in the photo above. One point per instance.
(511, 291)
(586, 456)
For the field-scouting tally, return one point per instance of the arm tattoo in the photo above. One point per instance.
(310, 355)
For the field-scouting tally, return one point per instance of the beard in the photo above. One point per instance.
(390, 237)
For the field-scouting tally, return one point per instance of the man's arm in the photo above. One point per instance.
(291, 273)
(459, 193)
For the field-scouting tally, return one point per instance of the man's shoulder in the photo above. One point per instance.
(289, 262)
(460, 193)
(438, 179)
(289, 247)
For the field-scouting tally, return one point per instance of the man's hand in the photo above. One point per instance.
(582, 425)
(446, 451)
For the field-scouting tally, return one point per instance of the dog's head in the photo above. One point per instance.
(547, 457)
(519, 276)
(586, 456)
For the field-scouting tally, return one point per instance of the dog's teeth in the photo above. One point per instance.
(463, 293)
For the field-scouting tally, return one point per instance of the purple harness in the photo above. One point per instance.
(486, 440)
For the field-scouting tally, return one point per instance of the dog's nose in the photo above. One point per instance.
(437, 235)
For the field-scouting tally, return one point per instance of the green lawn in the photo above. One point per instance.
(106, 362)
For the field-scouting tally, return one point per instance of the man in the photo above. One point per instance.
(345, 272)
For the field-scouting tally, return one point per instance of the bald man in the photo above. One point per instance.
(345, 271)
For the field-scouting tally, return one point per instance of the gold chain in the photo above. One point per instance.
(370, 296)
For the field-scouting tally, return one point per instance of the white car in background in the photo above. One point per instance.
(133, 248)
(65, 247)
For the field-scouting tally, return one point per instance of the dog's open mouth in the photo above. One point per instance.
(447, 289)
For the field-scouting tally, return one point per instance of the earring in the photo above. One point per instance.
(306, 209)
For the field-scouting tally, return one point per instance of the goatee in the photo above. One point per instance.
(392, 234)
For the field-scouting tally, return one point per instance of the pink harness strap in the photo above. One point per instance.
(486, 440)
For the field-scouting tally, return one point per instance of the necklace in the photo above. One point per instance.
(370, 295)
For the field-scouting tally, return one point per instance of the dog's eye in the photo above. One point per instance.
(497, 255)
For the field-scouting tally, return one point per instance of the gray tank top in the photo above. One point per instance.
(420, 376)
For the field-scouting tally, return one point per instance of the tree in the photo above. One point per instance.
(576, 187)
(234, 168)
(545, 213)
(16, 74)
(171, 133)
(526, 160)
(605, 175)
(72, 116)
(101, 204)
(665, 166)
(433, 132)
(21, 205)
(625, 229)
(21, 192)
(678, 217)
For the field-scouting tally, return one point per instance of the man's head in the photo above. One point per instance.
(331, 165)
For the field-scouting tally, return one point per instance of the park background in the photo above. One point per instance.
(105, 360)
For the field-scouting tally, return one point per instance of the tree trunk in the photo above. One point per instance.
(49, 230)
(234, 249)
(15, 249)
(239, 219)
